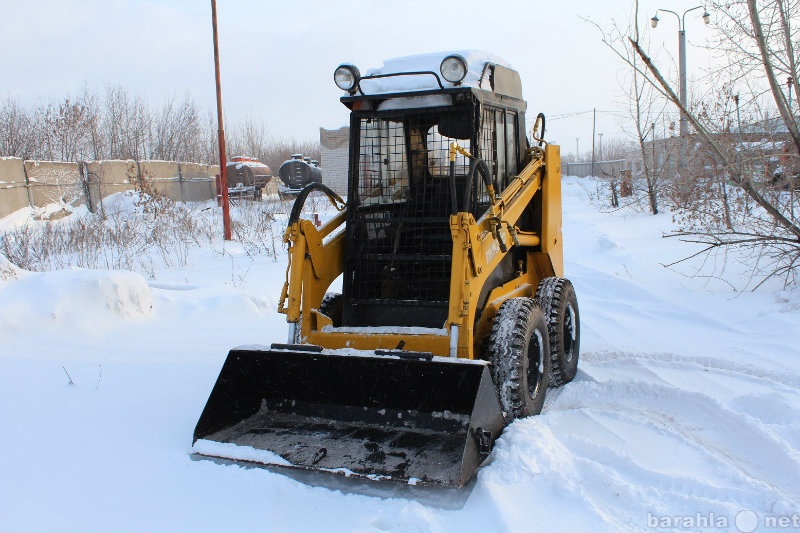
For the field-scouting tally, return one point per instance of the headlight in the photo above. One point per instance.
(346, 77)
(453, 68)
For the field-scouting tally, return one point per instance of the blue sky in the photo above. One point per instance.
(278, 57)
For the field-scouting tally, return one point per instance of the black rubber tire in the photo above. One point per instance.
(331, 307)
(518, 350)
(297, 329)
(560, 305)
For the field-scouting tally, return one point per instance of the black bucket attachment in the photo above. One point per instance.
(412, 418)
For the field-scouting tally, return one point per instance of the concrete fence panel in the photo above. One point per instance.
(54, 182)
(109, 177)
(198, 181)
(162, 176)
(192, 171)
(13, 188)
(39, 183)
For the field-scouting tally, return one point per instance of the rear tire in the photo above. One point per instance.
(563, 323)
(331, 307)
(519, 353)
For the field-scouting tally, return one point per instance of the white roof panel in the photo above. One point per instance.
(476, 62)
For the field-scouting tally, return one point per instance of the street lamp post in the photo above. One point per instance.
(684, 127)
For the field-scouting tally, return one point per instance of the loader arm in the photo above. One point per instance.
(313, 265)
(479, 247)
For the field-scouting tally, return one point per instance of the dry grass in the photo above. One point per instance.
(152, 233)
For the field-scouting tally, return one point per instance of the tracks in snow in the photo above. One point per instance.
(665, 434)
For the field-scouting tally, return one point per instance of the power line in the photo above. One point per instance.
(578, 113)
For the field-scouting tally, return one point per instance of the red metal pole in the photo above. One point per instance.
(226, 213)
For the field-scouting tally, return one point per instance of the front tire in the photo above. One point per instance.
(519, 353)
(563, 323)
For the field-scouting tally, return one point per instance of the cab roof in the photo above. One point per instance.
(419, 74)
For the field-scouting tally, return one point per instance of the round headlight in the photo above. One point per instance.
(453, 68)
(346, 77)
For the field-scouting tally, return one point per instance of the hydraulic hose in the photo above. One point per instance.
(453, 196)
(540, 138)
(300, 201)
(480, 166)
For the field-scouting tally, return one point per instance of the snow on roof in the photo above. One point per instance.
(254, 164)
(476, 62)
(245, 161)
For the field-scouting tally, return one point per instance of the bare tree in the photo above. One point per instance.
(15, 129)
(210, 142)
(733, 200)
(759, 55)
(642, 110)
(772, 57)
(249, 138)
(119, 125)
(69, 126)
(178, 131)
(96, 144)
(776, 233)
(644, 107)
(126, 124)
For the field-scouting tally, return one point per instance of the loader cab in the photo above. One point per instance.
(398, 249)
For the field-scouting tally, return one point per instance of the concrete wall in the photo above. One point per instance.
(605, 169)
(109, 177)
(334, 155)
(162, 176)
(40, 183)
(52, 182)
(13, 187)
(198, 181)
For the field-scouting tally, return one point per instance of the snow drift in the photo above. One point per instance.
(86, 299)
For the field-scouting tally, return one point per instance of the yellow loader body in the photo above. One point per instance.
(453, 317)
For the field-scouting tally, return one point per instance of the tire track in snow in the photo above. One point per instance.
(634, 299)
(786, 381)
(638, 427)
(769, 399)
(640, 433)
(530, 465)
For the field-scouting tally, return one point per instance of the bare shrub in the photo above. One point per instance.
(140, 240)
(253, 225)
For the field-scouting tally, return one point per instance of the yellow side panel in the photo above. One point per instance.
(333, 339)
(551, 209)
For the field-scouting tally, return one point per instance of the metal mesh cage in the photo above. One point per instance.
(399, 247)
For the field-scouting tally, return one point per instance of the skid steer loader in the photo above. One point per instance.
(453, 317)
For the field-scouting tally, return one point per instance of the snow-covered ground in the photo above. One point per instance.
(685, 414)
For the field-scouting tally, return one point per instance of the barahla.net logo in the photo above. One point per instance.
(745, 521)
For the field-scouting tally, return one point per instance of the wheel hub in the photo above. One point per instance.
(535, 363)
